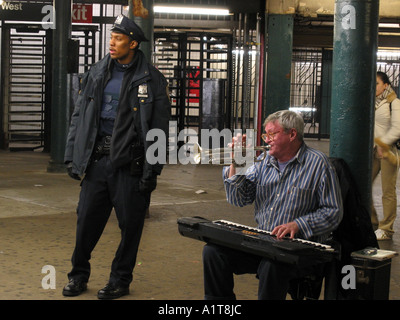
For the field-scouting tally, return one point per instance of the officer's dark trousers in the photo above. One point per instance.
(102, 189)
(220, 263)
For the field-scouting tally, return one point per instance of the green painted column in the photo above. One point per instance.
(353, 88)
(144, 17)
(279, 63)
(326, 93)
(59, 107)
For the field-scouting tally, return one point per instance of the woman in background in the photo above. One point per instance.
(385, 155)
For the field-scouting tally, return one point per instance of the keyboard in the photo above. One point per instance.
(256, 241)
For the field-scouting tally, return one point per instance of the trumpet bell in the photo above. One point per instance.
(226, 156)
(197, 150)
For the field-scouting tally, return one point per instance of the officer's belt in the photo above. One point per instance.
(102, 146)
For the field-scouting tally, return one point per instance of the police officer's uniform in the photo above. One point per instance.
(117, 106)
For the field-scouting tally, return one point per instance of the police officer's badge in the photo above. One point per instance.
(119, 19)
(142, 91)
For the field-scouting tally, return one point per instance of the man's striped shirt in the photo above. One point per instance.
(307, 192)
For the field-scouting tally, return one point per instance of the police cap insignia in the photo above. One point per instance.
(127, 26)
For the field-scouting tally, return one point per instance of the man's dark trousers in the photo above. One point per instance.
(221, 263)
(102, 189)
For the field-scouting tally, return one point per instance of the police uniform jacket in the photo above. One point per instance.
(144, 105)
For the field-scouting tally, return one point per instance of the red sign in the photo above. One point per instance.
(194, 85)
(82, 13)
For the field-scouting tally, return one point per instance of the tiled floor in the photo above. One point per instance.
(37, 228)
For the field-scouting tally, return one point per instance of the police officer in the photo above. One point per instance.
(122, 98)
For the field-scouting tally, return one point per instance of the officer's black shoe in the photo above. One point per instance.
(74, 288)
(112, 291)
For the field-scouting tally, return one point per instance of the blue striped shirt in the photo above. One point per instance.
(307, 192)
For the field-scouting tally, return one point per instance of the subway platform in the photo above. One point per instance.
(37, 229)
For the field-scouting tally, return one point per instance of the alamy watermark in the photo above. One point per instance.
(348, 13)
(49, 280)
(49, 20)
(349, 278)
(184, 148)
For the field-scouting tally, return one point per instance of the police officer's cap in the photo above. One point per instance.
(127, 26)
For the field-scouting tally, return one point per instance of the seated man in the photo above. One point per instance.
(295, 192)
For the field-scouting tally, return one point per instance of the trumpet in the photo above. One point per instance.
(229, 155)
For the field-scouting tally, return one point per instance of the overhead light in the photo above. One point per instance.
(388, 54)
(302, 109)
(389, 25)
(191, 10)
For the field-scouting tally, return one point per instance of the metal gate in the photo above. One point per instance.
(307, 85)
(23, 82)
(388, 61)
(27, 86)
(187, 60)
(306, 82)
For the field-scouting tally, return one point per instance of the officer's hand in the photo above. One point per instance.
(148, 185)
(70, 173)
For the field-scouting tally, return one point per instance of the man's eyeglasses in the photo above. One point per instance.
(269, 136)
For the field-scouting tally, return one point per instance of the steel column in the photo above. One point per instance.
(279, 63)
(353, 88)
(59, 107)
